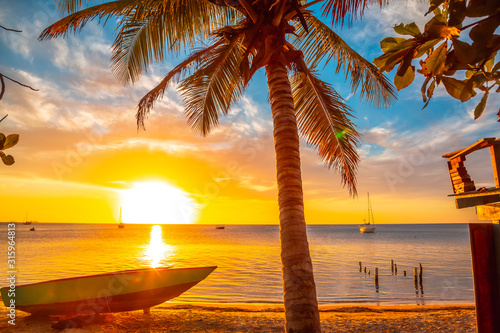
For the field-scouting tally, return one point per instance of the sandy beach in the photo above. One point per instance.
(219, 318)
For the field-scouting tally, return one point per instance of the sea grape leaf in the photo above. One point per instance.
(2, 140)
(424, 87)
(436, 61)
(427, 46)
(456, 12)
(453, 86)
(390, 43)
(406, 78)
(468, 90)
(480, 107)
(464, 52)
(479, 8)
(437, 20)
(7, 159)
(430, 90)
(483, 31)
(10, 141)
(434, 4)
(408, 29)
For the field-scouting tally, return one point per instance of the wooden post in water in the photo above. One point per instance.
(404, 273)
(415, 275)
(392, 266)
(420, 272)
(360, 266)
(365, 269)
(395, 269)
(376, 279)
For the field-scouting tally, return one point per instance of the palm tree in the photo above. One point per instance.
(230, 40)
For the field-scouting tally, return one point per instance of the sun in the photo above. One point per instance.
(156, 202)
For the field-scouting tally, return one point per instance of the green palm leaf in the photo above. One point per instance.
(140, 42)
(214, 87)
(147, 102)
(320, 43)
(339, 10)
(323, 120)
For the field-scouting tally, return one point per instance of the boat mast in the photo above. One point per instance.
(370, 209)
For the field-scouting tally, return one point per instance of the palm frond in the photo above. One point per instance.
(214, 87)
(339, 10)
(78, 20)
(147, 102)
(321, 44)
(323, 120)
(71, 6)
(141, 41)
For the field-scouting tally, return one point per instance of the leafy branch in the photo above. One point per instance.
(464, 69)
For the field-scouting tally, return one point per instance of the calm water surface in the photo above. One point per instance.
(249, 268)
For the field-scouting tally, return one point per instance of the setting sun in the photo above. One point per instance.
(157, 202)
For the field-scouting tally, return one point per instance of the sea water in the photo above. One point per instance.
(248, 259)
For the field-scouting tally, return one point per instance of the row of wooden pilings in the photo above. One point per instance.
(417, 275)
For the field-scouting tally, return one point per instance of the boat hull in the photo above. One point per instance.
(367, 228)
(113, 292)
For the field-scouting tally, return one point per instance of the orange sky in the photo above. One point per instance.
(79, 148)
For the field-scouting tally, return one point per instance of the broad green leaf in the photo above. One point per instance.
(434, 64)
(391, 43)
(479, 8)
(468, 90)
(464, 52)
(404, 80)
(480, 107)
(456, 12)
(441, 30)
(424, 87)
(483, 32)
(469, 74)
(408, 29)
(430, 90)
(437, 20)
(496, 68)
(434, 4)
(7, 159)
(11, 141)
(490, 62)
(453, 86)
(427, 46)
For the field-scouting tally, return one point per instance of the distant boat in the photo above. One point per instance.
(120, 222)
(103, 293)
(220, 226)
(26, 221)
(32, 229)
(368, 227)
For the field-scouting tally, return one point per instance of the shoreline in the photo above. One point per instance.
(258, 317)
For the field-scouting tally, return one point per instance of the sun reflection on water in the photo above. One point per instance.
(157, 250)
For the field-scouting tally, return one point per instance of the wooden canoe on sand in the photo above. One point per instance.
(110, 292)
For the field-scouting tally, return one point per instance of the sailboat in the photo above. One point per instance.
(368, 227)
(26, 221)
(120, 222)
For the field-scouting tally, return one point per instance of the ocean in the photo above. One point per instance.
(248, 259)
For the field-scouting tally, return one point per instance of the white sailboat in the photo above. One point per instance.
(368, 227)
(120, 222)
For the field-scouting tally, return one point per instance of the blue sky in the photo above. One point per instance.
(82, 117)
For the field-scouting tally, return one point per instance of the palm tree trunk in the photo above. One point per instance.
(301, 306)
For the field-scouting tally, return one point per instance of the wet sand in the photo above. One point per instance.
(265, 318)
